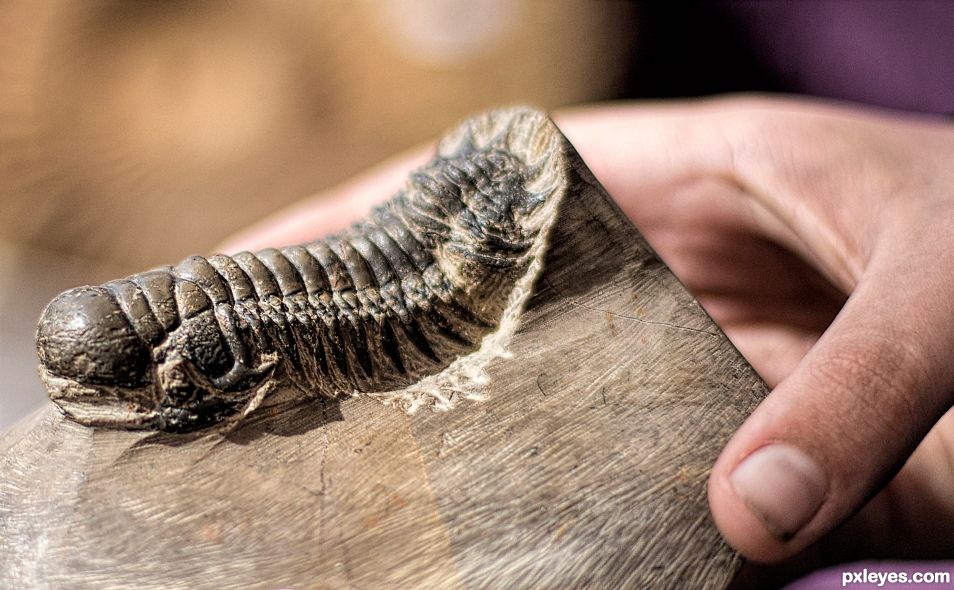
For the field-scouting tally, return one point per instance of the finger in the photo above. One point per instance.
(669, 167)
(330, 210)
(835, 431)
(636, 148)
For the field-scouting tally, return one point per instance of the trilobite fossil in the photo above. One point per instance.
(395, 297)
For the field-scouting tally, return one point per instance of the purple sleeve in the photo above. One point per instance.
(892, 53)
(865, 575)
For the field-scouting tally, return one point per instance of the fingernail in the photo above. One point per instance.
(782, 486)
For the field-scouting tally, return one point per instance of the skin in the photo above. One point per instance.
(818, 236)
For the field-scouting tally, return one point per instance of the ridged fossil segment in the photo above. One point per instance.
(607, 394)
(394, 298)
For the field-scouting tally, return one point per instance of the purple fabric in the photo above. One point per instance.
(875, 574)
(892, 53)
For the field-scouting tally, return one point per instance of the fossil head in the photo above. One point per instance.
(101, 372)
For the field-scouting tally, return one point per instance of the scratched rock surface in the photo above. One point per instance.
(584, 465)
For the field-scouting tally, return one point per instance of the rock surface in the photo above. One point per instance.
(584, 466)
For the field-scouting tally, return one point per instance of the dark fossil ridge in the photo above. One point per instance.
(396, 297)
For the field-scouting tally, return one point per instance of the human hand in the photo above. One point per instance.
(818, 237)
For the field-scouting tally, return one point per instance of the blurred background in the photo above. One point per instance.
(133, 134)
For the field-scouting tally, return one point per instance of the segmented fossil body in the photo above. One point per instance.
(393, 298)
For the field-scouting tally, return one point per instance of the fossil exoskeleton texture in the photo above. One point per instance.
(392, 299)
(503, 269)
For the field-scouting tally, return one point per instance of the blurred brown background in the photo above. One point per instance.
(133, 134)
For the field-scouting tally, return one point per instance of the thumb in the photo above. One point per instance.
(842, 424)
